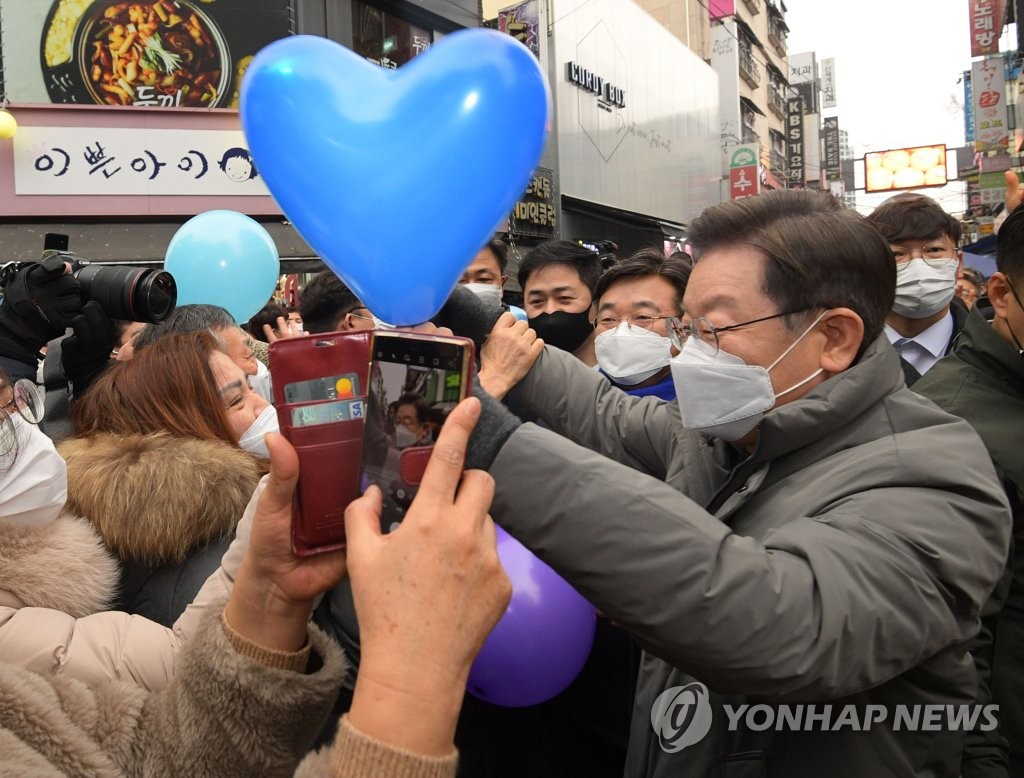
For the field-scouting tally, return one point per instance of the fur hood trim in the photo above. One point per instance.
(61, 565)
(155, 498)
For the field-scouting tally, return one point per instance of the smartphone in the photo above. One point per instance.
(415, 382)
(320, 386)
(55, 241)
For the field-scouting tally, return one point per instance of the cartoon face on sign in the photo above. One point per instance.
(237, 165)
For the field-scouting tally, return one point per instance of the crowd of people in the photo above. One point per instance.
(783, 467)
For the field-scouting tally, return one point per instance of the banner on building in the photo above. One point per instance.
(914, 167)
(828, 83)
(113, 161)
(743, 178)
(968, 107)
(795, 152)
(521, 22)
(802, 68)
(185, 53)
(988, 78)
(986, 20)
(830, 133)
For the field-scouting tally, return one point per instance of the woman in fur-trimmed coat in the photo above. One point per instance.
(157, 466)
(167, 507)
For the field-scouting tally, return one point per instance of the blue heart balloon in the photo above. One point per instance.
(396, 178)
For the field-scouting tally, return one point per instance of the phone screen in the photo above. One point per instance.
(414, 385)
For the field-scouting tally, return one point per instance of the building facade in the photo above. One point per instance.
(749, 54)
(115, 201)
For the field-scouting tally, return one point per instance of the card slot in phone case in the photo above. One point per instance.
(330, 480)
(314, 434)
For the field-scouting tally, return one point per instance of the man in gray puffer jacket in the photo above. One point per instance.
(797, 529)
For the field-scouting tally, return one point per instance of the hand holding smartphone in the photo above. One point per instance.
(414, 382)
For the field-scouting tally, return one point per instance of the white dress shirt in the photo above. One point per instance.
(926, 348)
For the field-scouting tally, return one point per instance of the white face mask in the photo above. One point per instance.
(34, 488)
(723, 396)
(405, 437)
(489, 293)
(260, 383)
(252, 439)
(630, 355)
(380, 324)
(923, 290)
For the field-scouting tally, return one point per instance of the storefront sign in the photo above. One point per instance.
(743, 178)
(986, 20)
(521, 22)
(591, 82)
(830, 132)
(534, 215)
(114, 161)
(795, 139)
(828, 83)
(152, 53)
(988, 78)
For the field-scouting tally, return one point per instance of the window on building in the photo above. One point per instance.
(385, 39)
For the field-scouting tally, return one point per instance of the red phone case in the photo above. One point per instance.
(329, 453)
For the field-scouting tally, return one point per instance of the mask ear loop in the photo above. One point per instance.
(792, 346)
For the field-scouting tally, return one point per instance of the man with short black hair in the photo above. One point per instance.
(635, 299)
(326, 304)
(982, 381)
(558, 278)
(926, 315)
(784, 532)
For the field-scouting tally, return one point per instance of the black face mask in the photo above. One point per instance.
(566, 331)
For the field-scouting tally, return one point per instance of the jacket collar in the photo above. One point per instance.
(832, 404)
(984, 348)
(795, 427)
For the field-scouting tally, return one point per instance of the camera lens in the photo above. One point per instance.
(132, 293)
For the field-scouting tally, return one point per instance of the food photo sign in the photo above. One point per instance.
(157, 53)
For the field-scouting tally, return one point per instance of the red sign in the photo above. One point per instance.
(743, 182)
(988, 99)
(986, 25)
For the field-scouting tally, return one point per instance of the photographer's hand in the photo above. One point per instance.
(39, 304)
(87, 352)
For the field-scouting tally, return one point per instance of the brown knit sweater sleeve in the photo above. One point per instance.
(356, 755)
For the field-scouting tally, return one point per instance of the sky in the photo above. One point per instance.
(898, 64)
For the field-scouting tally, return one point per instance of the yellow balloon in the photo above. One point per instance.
(8, 125)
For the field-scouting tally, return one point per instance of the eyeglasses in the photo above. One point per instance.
(643, 320)
(27, 401)
(928, 255)
(706, 333)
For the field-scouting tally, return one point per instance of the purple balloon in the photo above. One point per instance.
(543, 640)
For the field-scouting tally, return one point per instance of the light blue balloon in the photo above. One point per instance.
(224, 258)
(396, 177)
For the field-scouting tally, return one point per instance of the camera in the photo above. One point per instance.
(132, 293)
